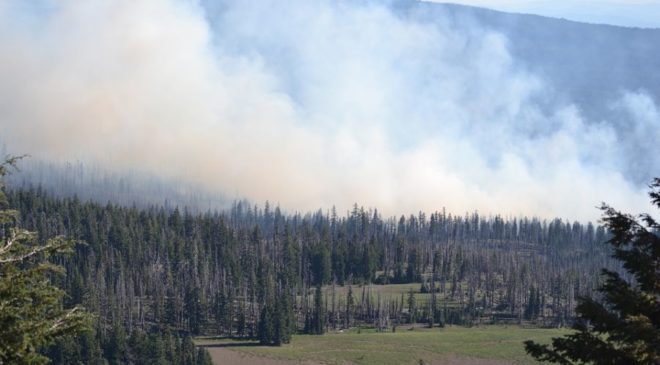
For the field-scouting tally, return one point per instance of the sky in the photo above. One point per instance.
(364, 106)
(629, 13)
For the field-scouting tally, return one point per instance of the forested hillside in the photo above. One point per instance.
(256, 272)
(423, 157)
(604, 59)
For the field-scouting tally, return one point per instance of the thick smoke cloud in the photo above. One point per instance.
(312, 104)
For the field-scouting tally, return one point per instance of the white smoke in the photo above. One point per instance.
(309, 104)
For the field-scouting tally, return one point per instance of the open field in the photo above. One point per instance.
(453, 345)
(387, 292)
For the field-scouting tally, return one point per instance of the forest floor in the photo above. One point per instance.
(489, 345)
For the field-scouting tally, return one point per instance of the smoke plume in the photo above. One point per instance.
(313, 104)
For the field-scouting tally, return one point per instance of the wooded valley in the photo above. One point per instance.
(256, 272)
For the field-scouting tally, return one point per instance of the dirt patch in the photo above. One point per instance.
(466, 361)
(226, 356)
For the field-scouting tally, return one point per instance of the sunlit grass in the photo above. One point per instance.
(408, 347)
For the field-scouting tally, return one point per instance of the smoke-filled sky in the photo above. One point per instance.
(311, 104)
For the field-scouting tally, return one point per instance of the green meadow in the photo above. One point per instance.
(367, 347)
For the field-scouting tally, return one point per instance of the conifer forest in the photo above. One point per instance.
(255, 272)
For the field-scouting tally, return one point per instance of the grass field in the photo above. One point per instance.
(503, 344)
(388, 292)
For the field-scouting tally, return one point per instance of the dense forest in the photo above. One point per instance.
(154, 276)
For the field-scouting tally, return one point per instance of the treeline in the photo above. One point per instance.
(256, 272)
(117, 347)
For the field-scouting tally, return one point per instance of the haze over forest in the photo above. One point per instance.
(397, 105)
(329, 181)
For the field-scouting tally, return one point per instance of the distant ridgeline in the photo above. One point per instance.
(163, 271)
(590, 64)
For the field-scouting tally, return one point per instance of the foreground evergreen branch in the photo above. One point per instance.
(623, 328)
(31, 311)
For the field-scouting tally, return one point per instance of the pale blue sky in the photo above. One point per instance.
(632, 13)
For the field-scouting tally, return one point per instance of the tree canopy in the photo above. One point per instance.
(623, 326)
(31, 311)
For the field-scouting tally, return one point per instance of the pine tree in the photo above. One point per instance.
(366, 264)
(287, 318)
(221, 311)
(623, 328)
(193, 310)
(399, 257)
(266, 331)
(412, 307)
(413, 270)
(31, 311)
(349, 307)
(318, 321)
(532, 309)
(276, 321)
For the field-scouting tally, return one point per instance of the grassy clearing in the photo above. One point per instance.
(388, 292)
(408, 347)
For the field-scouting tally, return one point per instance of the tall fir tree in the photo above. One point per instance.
(318, 319)
(266, 332)
(623, 328)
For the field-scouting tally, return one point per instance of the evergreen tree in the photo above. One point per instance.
(31, 309)
(412, 307)
(241, 322)
(349, 307)
(318, 321)
(116, 347)
(193, 310)
(413, 273)
(366, 264)
(532, 309)
(286, 318)
(623, 328)
(266, 332)
(279, 327)
(399, 257)
(222, 308)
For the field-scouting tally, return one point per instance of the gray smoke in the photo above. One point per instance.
(316, 103)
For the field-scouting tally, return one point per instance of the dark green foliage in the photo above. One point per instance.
(398, 263)
(39, 322)
(533, 309)
(116, 345)
(195, 310)
(318, 317)
(266, 332)
(32, 313)
(208, 273)
(285, 325)
(160, 269)
(137, 348)
(276, 322)
(350, 304)
(413, 269)
(623, 327)
(321, 265)
(412, 307)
